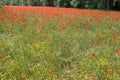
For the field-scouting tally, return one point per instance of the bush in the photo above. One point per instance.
(62, 3)
(1, 3)
(91, 4)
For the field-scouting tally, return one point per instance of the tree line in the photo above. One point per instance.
(86, 4)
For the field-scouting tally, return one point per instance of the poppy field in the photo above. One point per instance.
(46, 43)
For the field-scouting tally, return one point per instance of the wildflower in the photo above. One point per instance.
(4, 58)
(90, 76)
(108, 71)
(50, 73)
(22, 75)
(99, 39)
(117, 51)
(103, 33)
(114, 37)
(62, 29)
(22, 15)
(60, 42)
(92, 40)
(105, 65)
(93, 54)
(7, 27)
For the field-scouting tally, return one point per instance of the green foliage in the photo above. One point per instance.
(35, 2)
(1, 3)
(77, 3)
(58, 3)
(27, 2)
(101, 6)
(45, 2)
(89, 4)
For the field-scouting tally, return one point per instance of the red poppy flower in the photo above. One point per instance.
(90, 75)
(117, 51)
(93, 54)
(103, 33)
(108, 71)
(105, 65)
(62, 29)
(4, 58)
(7, 27)
(60, 42)
(22, 75)
(99, 39)
(113, 36)
(92, 40)
(50, 73)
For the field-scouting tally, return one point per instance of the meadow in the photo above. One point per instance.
(46, 43)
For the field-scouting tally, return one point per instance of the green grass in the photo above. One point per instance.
(52, 48)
